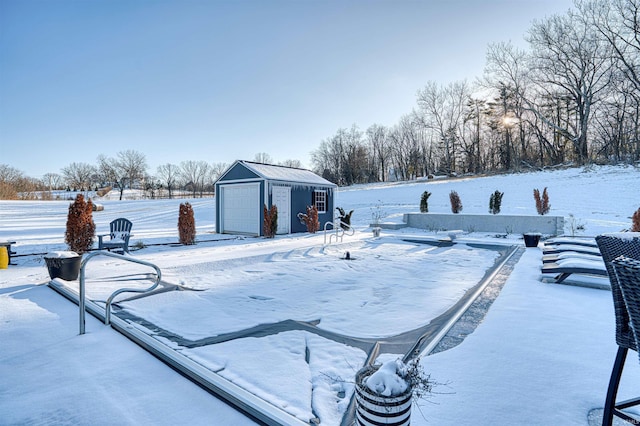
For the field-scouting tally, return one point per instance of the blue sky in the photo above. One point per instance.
(223, 80)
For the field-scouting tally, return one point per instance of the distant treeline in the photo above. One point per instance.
(127, 170)
(573, 96)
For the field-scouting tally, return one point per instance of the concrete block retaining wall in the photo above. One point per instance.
(511, 224)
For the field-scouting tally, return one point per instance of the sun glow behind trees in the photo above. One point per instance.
(572, 97)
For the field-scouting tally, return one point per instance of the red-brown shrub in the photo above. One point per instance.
(636, 221)
(80, 226)
(542, 203)
(456, 203)
(270, 222)
(311, 219)
(186, 225)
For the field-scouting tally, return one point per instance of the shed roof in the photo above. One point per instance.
(284, 174)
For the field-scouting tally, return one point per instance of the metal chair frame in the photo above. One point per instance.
(628, 275)
(613, 246)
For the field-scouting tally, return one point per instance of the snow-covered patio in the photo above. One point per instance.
(542, 354)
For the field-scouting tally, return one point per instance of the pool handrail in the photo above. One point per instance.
(337, 225)
(82, 290)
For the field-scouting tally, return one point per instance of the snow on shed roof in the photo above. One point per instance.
(286, 174)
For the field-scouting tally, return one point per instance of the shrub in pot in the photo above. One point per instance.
(345, 218)
(384, 393)
(79, 237)
(377, 214)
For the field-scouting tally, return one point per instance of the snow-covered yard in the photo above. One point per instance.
(542, 355)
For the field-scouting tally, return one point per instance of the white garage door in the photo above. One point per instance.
(241, 209)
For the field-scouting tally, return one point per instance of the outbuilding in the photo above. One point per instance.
(245, 188)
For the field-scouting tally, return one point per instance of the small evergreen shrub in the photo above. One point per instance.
(80, 226)
(270, 222)
(186, 225)
(542, 202)
(424, 202)
(456, 203)
(495, 202)
(310, 219)
(636, 221)
(345, 218)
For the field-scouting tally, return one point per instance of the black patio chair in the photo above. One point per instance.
(628, 275)
(613, 246)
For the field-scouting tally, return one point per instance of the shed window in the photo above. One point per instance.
(320, 201)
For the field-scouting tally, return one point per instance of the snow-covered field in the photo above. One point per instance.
(541, 356)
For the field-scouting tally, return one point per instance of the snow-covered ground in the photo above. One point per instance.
(541, 356)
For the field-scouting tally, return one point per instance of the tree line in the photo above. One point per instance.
(127, 170)
(572, 96)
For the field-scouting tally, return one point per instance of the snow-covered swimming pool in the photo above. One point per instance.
(242, 319)
(390, 286)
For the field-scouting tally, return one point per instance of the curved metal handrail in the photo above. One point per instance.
(82, 296)
(349, 229)
(340, 230)
(333, 224)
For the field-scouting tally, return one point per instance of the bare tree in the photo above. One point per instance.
(507, 76)
(291, 163)
(326, 159)
(354, 156)
(210, 176)
(618, 124)
(52, 181)
(408, 148)
(9, 174)
(9, 178)
(217, 169)
(133, 165)
(263, 157)
(570, 59)
(79, 175)
(343, 158)
(126, 170)
(441, 109)
(618, 22)
(379, 145)
(152, 186)
(108, 173)
(193, 174)
(472, 134)
(169, 174)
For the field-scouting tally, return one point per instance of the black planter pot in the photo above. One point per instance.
(66, 268)
(531, 240)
